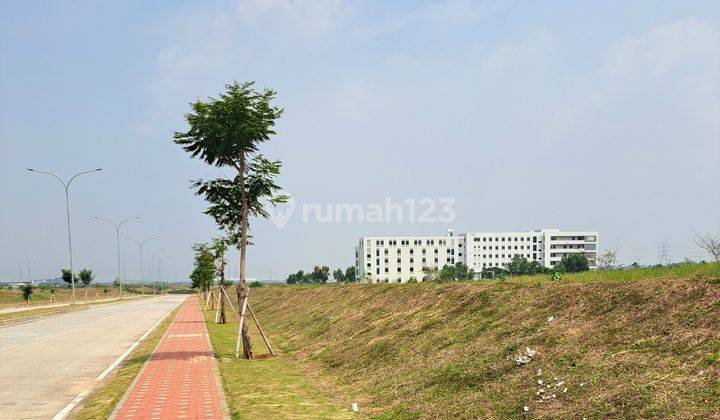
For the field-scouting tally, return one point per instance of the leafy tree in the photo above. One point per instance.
(226, 132)
(520, 266)
(575, 262)
(219, 248)
(86, 276)
(203, 273)
(350, 274)
(430, 273)
(493, 272)
(447, 273)
(67, 275)
(339, 276)
(27, 290)
(320, 274)
(116, 283)
(296, 278)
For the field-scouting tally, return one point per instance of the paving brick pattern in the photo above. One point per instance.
(178, 381)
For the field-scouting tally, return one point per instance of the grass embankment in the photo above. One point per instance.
(266, 388)
(103, 400)
(636, 343)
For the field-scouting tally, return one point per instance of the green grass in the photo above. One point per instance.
(268, 388)
(643, 343)
(103, 400)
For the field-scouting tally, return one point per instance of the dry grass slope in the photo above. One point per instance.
(642, 344)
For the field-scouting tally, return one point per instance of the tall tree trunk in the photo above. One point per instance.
(242, 287)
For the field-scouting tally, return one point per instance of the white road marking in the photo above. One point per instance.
(85, 392)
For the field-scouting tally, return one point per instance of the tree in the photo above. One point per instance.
(86, 276)
(320, 274)
(430, 273)
(493, 272)
(203, 273)
(296, 278)
(116, 283)
(66, 275)
(709, 243)
(447, 273)
(575, 262)
(607, 259)
(339, 276)
(219, 248)
(27, 290)
(226, 132)
(350, 275)
(521, 266)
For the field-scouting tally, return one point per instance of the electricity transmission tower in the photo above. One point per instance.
(664, 253)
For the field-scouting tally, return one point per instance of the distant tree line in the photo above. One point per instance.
(521, 266)
(449, 272)
(321, 274)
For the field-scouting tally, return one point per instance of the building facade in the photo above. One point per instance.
(395, 259)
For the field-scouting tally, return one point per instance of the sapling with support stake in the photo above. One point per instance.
(227, 132)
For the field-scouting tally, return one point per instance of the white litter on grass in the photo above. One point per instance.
(551, 319)
(539, 372)
(540, 381)
(522, 360)
(527, 357)
(582, 383)
(565, 391)
(355, 407)
(526, 408)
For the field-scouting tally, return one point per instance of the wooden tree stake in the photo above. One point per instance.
(240, 324)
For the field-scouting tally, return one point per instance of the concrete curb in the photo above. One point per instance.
(30, 318)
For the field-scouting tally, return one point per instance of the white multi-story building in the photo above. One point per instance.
(397, 259)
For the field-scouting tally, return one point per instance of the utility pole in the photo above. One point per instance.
(66, 185)
(117, 237)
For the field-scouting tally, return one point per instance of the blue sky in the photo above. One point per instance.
(576, 115)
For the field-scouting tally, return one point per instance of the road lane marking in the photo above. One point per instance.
(85, 392)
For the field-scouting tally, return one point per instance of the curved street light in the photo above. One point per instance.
(140, 245)
(153, 266)
(160, 266)
(66, 185)
(117, 233)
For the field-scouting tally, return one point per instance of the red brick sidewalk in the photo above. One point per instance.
(178, 381)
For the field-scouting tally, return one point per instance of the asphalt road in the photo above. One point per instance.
(46, 363)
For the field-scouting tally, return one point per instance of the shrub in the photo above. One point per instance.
(256, 284)
(27, 290)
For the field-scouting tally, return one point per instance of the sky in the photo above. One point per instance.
(488, 115)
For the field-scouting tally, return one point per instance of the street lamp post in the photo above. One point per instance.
(66, 185)
(140, 245)
(153, 266)
(160, 266)
(117, 236)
